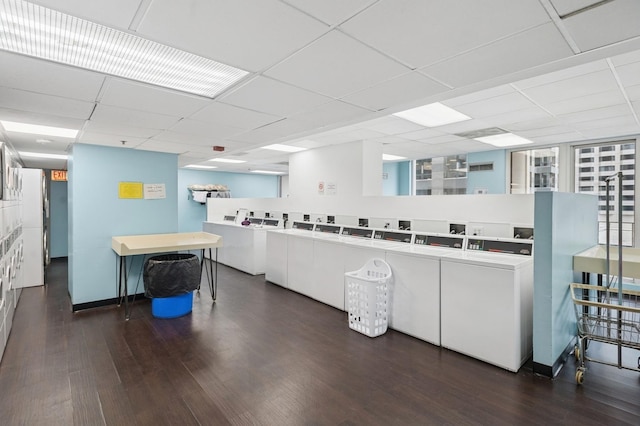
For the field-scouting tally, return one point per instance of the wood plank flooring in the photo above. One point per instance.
(262, 355)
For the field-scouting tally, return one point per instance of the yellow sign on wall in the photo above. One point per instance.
(59, 175)
(130, 190)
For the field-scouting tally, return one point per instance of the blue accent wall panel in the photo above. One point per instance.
(398, 181)
(96, 213)
(558, 237)
(241, 185)
(59, 230)
(494, 181)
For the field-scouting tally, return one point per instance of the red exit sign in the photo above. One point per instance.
(59, 175)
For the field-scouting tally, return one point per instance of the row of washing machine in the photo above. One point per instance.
(473, 295)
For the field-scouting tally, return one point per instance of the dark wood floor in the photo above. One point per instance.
(264, 355)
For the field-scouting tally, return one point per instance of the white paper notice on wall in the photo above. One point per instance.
(154, 191)
(331, 188)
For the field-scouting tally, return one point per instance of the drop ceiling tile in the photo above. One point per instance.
(528, 114)
(93, 138)
(162, 146)
(143, 97)
(564, 7)
(521, 51)
(496, 105)
(27, 142)
(42, 119)
(611, 132)
(390, 140)
(217, 112)
(610, 122)
(44, 104)
(273, 97)
(482, 95)
(331, 12)
(205, 129)
(249, 34)
(392, 125)
(584, 103)
(118, 13)
(615, 21)
(533, 134)
(120, 130)
(533, 124)
(444, 139)
(565, 74)
(629, 74)
(331, 113)
(35, 75)
(271, 132)
(633, 92)
(336, 65)
(595, 114)
(420, 33)
(580, 86)
(191, 139)
(464, 126)
(128, 117)
(418, 135)
(397, 91)
(572, 136)
(626, 58)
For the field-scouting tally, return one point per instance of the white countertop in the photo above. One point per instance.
(159, 243)
(594, 260)
(494, 260)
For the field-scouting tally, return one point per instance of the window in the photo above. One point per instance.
(535, 170)
(441, 175)
(620, 157)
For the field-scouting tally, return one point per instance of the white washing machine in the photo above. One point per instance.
(415, 295)
(487, 301)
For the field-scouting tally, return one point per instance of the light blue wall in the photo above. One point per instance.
(58, 226)
(96, 213)
(493, 181)
(398, 181)
(241, 185)
(558, 236)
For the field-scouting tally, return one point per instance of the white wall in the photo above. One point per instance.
(355, 168)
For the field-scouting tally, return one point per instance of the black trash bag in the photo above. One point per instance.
(171, 275)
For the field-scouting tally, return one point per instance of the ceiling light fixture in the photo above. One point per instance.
(12, 126)
(43, 155)
(227, 160)
(284, 148)
(504, 140)
(44, 33)
(389, 157)
(433, 115)
(196, 166)
(267, 172)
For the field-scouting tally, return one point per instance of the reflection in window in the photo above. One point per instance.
(535, 170)
(441, 175)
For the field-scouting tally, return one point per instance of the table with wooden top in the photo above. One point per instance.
(130, 245)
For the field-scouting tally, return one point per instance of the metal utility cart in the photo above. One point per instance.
(604, 313)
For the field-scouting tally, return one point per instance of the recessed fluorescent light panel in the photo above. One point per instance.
(195, 166)
(504, 140)
(12, 126)
(267, 172)
(44, 33)
(389, 157)
(43, 155)
(284, 148)
(433, 115)
(227, 160)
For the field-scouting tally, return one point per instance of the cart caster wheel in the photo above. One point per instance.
(576, 352)
(579, 376)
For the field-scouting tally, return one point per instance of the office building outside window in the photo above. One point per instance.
(534, 170)
(595, 163)
(441, 175)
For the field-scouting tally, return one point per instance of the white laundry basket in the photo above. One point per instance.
(368, 297)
